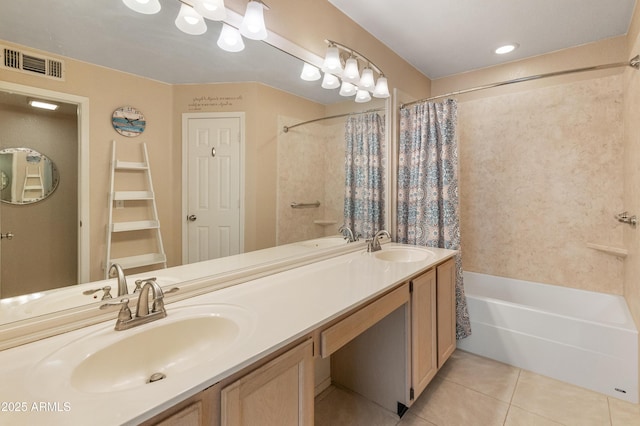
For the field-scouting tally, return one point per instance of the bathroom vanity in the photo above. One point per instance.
(245, 354)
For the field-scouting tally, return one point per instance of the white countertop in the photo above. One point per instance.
(281, 307)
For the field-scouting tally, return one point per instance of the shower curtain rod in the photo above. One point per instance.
(633, 63)
(287, 128)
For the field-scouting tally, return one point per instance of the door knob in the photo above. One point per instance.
(8, 236)
(192, 218)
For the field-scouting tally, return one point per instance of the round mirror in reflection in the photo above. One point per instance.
(27, 176)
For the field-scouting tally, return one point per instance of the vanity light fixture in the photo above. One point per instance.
(253, 22)
(332, 63)
(507, 48)
(363, 96)
(190, 21)
(330, 81)
(347, 89)
(367, 81)
(148, 7)
(351, 73)
(43, 105)
(349, 79)
(382, 88)
(230, 39)
(211, 9)
(310, 73)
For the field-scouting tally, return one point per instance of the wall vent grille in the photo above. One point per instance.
(30, 63)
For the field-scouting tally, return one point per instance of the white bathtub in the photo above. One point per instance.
(581, 337)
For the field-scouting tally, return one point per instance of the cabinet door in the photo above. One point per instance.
(446, 302)
(199, 410)
(423, 331)
(279, 393)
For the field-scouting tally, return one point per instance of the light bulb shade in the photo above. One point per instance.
(189, 21)
(362, 96)
(148, 7)
(230, 39)
(310, 73)
(382, 88)
(330, 81)
(331, 62)
(253, 22)
(347, 89)
(366, 81)
(351, 73)
(211, 9)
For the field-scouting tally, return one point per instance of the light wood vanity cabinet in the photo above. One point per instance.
(433, 323)
(199, 410)
(279, 393)
(388, 351)
(424, 359)
(404, 338)
(446, 302)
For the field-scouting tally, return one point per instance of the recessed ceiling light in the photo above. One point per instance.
(43, 105)
(507, 48)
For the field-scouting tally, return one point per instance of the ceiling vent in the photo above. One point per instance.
(30, 63)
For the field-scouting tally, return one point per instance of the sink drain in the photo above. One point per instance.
(156, 376)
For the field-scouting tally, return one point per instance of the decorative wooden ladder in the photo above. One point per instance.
(33, 188)
(149, 224)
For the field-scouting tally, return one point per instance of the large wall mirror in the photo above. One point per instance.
(116, 38)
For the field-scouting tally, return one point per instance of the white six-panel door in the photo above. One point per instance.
(212, 208)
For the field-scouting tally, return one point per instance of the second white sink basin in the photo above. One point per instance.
(403, 254)
(112, 361)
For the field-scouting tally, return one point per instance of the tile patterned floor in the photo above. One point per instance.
(476, 391)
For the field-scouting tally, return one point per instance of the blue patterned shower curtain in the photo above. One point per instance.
(428, 187)
(364, 174)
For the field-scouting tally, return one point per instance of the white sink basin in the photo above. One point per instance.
(403, 254)
(113, 361)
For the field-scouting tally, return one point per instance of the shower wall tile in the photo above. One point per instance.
(310, 168)
(540, 177)
(632, 181)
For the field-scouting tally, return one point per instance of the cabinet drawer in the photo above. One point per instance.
(341, 333)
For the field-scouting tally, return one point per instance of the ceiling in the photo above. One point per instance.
(439, 37)
(445, 37)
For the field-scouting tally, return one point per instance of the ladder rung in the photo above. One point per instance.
(129, 165)
(132, 195)
(140, 260)
(135, 226)
(33, 176)
(33, 187)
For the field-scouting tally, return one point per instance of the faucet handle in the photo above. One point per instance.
(106, 295)
(124, 314)
(139, 283)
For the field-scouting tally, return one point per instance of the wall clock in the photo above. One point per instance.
(128, 121)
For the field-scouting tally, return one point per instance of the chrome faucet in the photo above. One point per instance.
(122, 280)
(348, 234)
(143, 314)
(373, 244)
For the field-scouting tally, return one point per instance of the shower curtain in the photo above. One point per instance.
(364, 174)
(428, 187)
